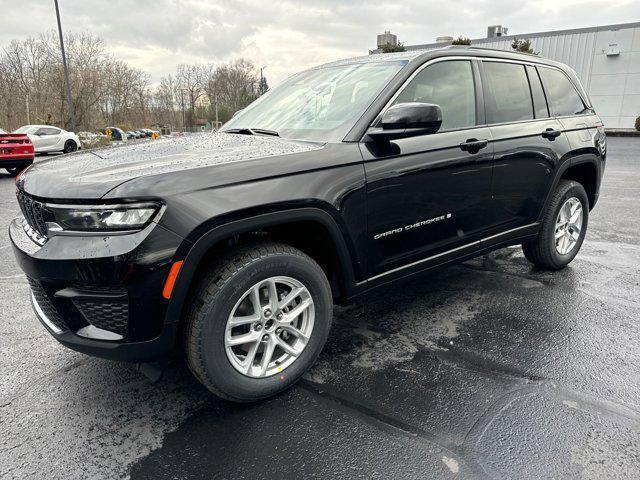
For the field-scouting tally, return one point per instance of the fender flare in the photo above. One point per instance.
(579, 159)
(218, 233)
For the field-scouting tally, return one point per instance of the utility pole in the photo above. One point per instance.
(216, 104)
(182, 103)
(66, 71)
(261, 79)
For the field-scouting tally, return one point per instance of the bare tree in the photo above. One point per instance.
(190, 80)
(106, 91)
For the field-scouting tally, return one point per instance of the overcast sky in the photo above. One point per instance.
(288, 36)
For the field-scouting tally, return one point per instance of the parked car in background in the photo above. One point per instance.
(16, 152)
(47, 138)
(117, 134)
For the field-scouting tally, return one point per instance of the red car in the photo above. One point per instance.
(16, 152)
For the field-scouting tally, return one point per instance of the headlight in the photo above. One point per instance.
(102, 218)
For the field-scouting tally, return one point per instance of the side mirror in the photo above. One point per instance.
(405, 120)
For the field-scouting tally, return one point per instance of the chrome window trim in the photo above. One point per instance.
(485, 59)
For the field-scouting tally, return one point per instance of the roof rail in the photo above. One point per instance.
(492, 49)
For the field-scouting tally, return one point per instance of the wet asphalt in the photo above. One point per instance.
(487, 369)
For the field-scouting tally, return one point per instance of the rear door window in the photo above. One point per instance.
(507, 94)
(539, 101)
(563, 98)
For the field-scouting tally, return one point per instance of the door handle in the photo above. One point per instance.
(551, 134)
(473, 145)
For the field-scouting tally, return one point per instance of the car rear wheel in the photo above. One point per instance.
(15, 171)
(563, 229)
(257, 321)
(70, 146)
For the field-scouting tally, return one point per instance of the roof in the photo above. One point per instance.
(446, 50)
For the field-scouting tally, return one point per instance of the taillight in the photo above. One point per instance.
(600, 127)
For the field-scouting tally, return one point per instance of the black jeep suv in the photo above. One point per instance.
(349, 176)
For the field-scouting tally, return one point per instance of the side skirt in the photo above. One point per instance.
(466, 252)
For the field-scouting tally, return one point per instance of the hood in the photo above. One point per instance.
(91, 174)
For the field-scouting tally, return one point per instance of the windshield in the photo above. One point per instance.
(321, 104)
(24, 129)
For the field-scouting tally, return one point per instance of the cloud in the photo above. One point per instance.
(286, 35)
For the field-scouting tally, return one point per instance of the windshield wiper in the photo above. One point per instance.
(253, 131)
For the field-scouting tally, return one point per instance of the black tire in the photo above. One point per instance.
(70, 146)
(213, 300)
(15, 171)
(542, 250)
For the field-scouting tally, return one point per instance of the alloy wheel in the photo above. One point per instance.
(269, 327)
(568, 226)
(70, 146)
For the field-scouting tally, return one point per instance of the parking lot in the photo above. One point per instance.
(488, 369)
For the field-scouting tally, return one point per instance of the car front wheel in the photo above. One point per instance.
(257, 322)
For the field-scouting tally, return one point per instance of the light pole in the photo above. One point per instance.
(261, 79)
(66, 70)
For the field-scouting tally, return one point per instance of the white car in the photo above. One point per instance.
(46, 138)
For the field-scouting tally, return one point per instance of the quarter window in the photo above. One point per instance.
(47, 131)
(508, 98)
(448, 84)
(562, 95)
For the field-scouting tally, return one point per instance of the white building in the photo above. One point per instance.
(606, 59)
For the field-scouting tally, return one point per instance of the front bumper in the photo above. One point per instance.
(141, 351)
(102, 295)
